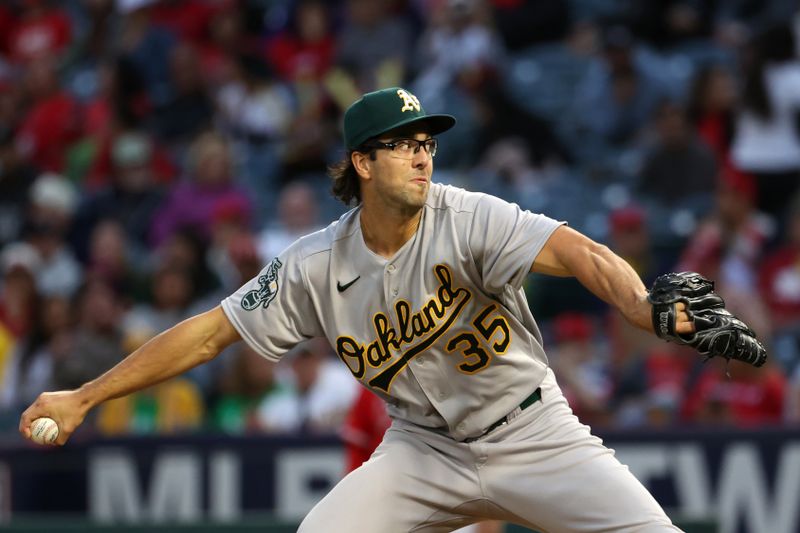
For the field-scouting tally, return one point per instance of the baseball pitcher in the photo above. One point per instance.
(418, 291)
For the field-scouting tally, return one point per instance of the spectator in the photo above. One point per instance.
(621, 90)
(679, 166)
(629, 238)
(31, 369)
(779, 283)
(132, 197)
(227, 39)
(767, 142)
(16, 177)
(303, 52)
(499, 128)
(582, 376)
(170, 408)
(737, 20)
(302, 56)
(735, 230)
(98, 336)
(52, 121)
(318, 394)
(779, 275)
(53, 201)
(188, 250)
(249, 382)
(728, 245)
(191, 203)
(189, 109)
(667, 370)
(461, 43)
(120, 101)
(7, 21)
(147, 46)
(712, 108)
(185, 19)
(256, 110)
(93, 38)
(522, 24)
(382, 63)
(113, 259)
(254, 107)
(297, 216)
(177, 405)
(749, 398)
(232, 253)
(120, 111)
(648, 384)
(793, 398)
(171, 294)
(19, 300)
(669, 23)
(12, 100)
(41, 30)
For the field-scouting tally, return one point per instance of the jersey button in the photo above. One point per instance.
(420, 360)
(442, 395)
(395, 292)
(390, 268)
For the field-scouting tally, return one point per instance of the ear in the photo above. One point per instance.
(361, 162)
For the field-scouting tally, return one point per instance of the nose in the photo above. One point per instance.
(421, 159)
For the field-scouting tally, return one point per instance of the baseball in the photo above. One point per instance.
(44, 431)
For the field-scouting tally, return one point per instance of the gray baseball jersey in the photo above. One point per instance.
(441, 331)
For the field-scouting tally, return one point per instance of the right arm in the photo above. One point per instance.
(186, 345)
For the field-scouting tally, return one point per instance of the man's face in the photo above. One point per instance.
(401, 181)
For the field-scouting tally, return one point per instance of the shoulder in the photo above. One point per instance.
(455, 199)
(321, 242)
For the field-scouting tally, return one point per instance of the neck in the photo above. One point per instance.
(386, 231)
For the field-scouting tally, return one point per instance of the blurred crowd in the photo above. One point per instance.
(154, 154)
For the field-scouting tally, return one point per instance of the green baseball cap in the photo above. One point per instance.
(381, 111)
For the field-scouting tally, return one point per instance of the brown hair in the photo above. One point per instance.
(346, 182)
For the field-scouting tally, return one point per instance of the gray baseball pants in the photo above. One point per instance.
(542, 470)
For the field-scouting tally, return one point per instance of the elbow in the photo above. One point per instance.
(215, 344)
(219, 333)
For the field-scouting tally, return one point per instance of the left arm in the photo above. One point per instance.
(569, 253)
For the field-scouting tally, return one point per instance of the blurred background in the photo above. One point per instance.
(154, 154)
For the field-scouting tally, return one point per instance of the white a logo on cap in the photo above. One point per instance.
(410, 102)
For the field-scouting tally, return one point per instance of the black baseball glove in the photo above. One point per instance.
(717, 332)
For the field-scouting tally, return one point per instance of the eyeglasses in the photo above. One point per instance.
(407, 148)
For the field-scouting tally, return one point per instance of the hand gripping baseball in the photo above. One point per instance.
(64, 407)
(717, 331)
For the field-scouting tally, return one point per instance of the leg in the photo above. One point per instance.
(407, 485)
(551, 474)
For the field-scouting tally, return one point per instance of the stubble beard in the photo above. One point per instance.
(407, 201)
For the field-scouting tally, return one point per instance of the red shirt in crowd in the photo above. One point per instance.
(48, 129)
(749, 398)
(46, 33)
(6, 25)
(363, 428)
(779, 283)
(295, 59)
(187, 19)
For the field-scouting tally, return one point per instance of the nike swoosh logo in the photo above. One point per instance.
(342, 288)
